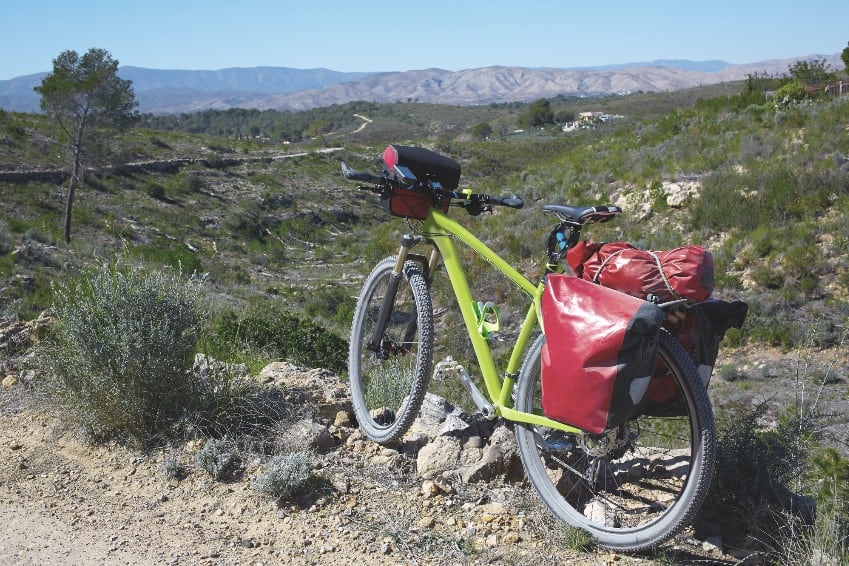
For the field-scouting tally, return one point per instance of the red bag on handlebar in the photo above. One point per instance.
(407, 203)
(599, 354)
(685, 272)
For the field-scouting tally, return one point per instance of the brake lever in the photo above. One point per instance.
(476, 208)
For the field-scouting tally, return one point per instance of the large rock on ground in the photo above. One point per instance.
(318, 388)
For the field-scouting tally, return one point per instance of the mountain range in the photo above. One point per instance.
(284, 88)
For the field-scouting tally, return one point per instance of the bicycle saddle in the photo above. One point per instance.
(583, 214)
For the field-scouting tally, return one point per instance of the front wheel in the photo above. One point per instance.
(638, 485)
(389, 371)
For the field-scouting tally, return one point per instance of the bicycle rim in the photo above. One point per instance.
(389, 376)
(637, 486)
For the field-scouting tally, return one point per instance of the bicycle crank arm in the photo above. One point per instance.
(484, 406)
(448, 366)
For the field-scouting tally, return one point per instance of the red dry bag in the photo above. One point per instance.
(685, 272)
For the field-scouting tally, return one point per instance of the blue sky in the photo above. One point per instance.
(397, 35)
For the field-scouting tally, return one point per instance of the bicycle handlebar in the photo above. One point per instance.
(474, 203)
(512, 202)
(354, 175)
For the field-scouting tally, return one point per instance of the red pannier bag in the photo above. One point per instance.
(599, 354)
(685, 272)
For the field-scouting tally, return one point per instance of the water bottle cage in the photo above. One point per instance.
(486, 317)
(563, 237)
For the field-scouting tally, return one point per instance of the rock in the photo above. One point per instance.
(320, 389)
(495, 508)
(309, 435)
(439, 455)
(429, 488)
(598, 512)
(712, 545)
(500, 458)
(342, 419)
(439, 417)
(206, 367)
(426, 522)
(678, 193)
(10, 381)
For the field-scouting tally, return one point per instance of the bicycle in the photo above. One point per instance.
(630, 488)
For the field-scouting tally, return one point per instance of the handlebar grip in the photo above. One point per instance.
(354, 175)
(512, 202)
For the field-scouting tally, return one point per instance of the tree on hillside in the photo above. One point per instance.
(319, 129)
(538, 113)
(844, 56)
(482, 130)
(90, 104)
(812, 73)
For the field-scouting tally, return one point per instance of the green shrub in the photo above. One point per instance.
(172, 469)
(165, 252)
(830, 472)
(5, 239)
(121, 352)
(155, 190)
(789, 94)
(333, 303)
(194, 183)
(284, 335)
(285, 476)
(826, 541)
(757, 469)
(216, 458)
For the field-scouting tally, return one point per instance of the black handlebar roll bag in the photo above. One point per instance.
(599, 355)
(425, 164)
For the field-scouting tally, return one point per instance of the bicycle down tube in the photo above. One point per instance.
(440, 229)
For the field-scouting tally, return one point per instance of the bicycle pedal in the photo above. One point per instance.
(447, 369)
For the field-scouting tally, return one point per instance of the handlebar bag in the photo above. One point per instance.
(685, 272)
(408, 203)
(599, 354)
(426, 165)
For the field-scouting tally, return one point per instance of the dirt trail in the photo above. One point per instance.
(366, 122)
(64, 502)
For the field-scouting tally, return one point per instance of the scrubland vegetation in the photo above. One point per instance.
(255, 251)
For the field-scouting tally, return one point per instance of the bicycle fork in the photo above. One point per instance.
(386, 306)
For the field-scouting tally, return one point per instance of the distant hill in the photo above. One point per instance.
(281, 88)
(160, 90)
(701, 66)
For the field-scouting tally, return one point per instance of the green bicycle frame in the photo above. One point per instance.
(440, 229)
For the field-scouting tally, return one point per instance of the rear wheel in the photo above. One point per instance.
(637, 485)
(389, 372)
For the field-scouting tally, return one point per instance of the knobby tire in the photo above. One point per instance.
(388, 382)
(641, 484)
